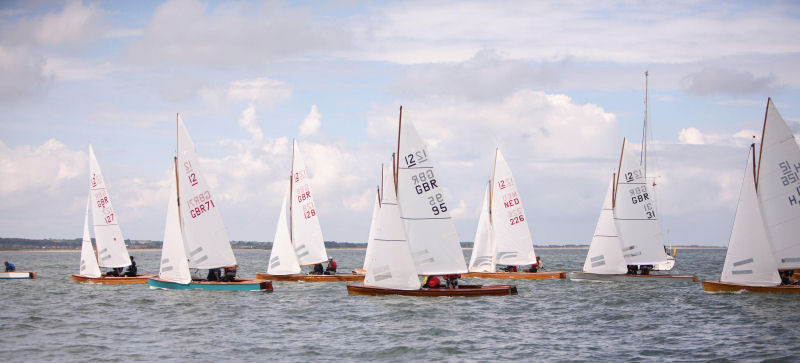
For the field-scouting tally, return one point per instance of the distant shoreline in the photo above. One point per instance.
(133, 250)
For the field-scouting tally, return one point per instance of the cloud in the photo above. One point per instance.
(23, 75)
(311, 123)
(191, 32)
(249, 123)
(720, 81)
(690, 135)
(261, 92)
(38, 169)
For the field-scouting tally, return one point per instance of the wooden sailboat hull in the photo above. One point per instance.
(18, 275)
(719, 286)
(580, 275)
(359, 271)
(112, 280)
(238, 285)
(462, 290)
(517, 275)
(313, 278)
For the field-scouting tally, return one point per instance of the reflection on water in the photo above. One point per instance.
(53, 318)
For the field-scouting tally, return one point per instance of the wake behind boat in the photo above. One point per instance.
(194, 235)
(419, 238)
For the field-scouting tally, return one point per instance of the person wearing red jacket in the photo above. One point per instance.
(331, 268)
(431, 282)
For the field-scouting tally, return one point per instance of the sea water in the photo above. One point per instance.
(54, 319)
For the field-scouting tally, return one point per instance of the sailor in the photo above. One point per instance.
(10, 267)
(451, 281)
(431, 282)
(116, 272)
(318, 269)
(632, 269)
(536, 266)
(786, 277)
(645, 269)
(230, 274)
(213, 274)
(131, 272)
(510, 268)
(331, 268)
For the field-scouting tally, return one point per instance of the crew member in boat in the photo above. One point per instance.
(536, 266)
(132, 270)
(786, 278)
(318, 269)
(214, 274)
(645, 269)
(331, 268)
(451, 281)
(230, 274)
(10, 267)
(510, 268)
(116, 272)
(431, 281)
(632, 269)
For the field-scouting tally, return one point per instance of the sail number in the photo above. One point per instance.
(303, 193)
(200, 204)
(633, 175)
(516, 216)
(190, 174)
(299, 175)
(789, 177)
(412, 159)
(424, 181)
(95, 180)
(102, 202)
(437, 204)
(505, 183)
(308, 210)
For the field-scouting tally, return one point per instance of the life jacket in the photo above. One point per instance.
(433, 281)
(333, 265)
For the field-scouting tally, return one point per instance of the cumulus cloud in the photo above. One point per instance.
(311, 122)
(691, 135)
(249, 123)
(720, 81)
(23, 74)
(40, 168)
(261, 92)
(193, 32)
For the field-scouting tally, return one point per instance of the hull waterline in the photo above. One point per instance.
(463, 290)
(719, 286)
(112, 280)
(517, 275)
(579, 275)
(238, 285)
(312, 278)
(18, 275)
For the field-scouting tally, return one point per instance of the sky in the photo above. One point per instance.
(555, 85)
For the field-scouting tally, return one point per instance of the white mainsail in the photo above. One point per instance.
(390, 264)
(89, 265)
(779, 188)
(512, 236)
(204, 234)
(111, 249)
(749, 260)
(306, 233)
(431, 233)
(483, 247)
(174, 265)
(282, 258)
(376, 207)
(605, 252)
(635, 214)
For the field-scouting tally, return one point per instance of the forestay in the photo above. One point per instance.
(513, 238)
(483, 247)
(282, 259)
(111, 249)
(390, 264)
(431, 233)
(89, 265)
(779, 188)
(635, 214)
(205, 237)
(605, 251)
(749, 260)
(174, 266)
(306, 233)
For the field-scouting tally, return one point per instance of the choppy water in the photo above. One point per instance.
(55, 319)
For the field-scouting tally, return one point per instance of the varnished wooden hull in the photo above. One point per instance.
(18, 275)
(517, 275)
(580, 275)
(359, 271)
(112, 280)
(719, 286)
(463, 290)
(238, 285)
(312, 278)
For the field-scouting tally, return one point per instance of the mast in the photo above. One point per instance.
(619, 169)
(761, 149)
(491, 189)
(175, 160)
(644, 129)
(396, 166)
(613, 190)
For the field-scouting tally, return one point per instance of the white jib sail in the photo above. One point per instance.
(635, 214)
(89, 265)
(390, 264)
(375, 208)
(605, 252)
(779, 188)
(431, 232)
(282, 258)
(306, 232)
(174, 265)
(204, 234)
(483, 247)
(512, 236)
(749, 260)
(111, 249)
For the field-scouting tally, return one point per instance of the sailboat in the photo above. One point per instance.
(194, 235)
(503, 236)
(764, 236)
(627, 231)
(414, 234)
(298, 240)
(376, 207)
(111, 251)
